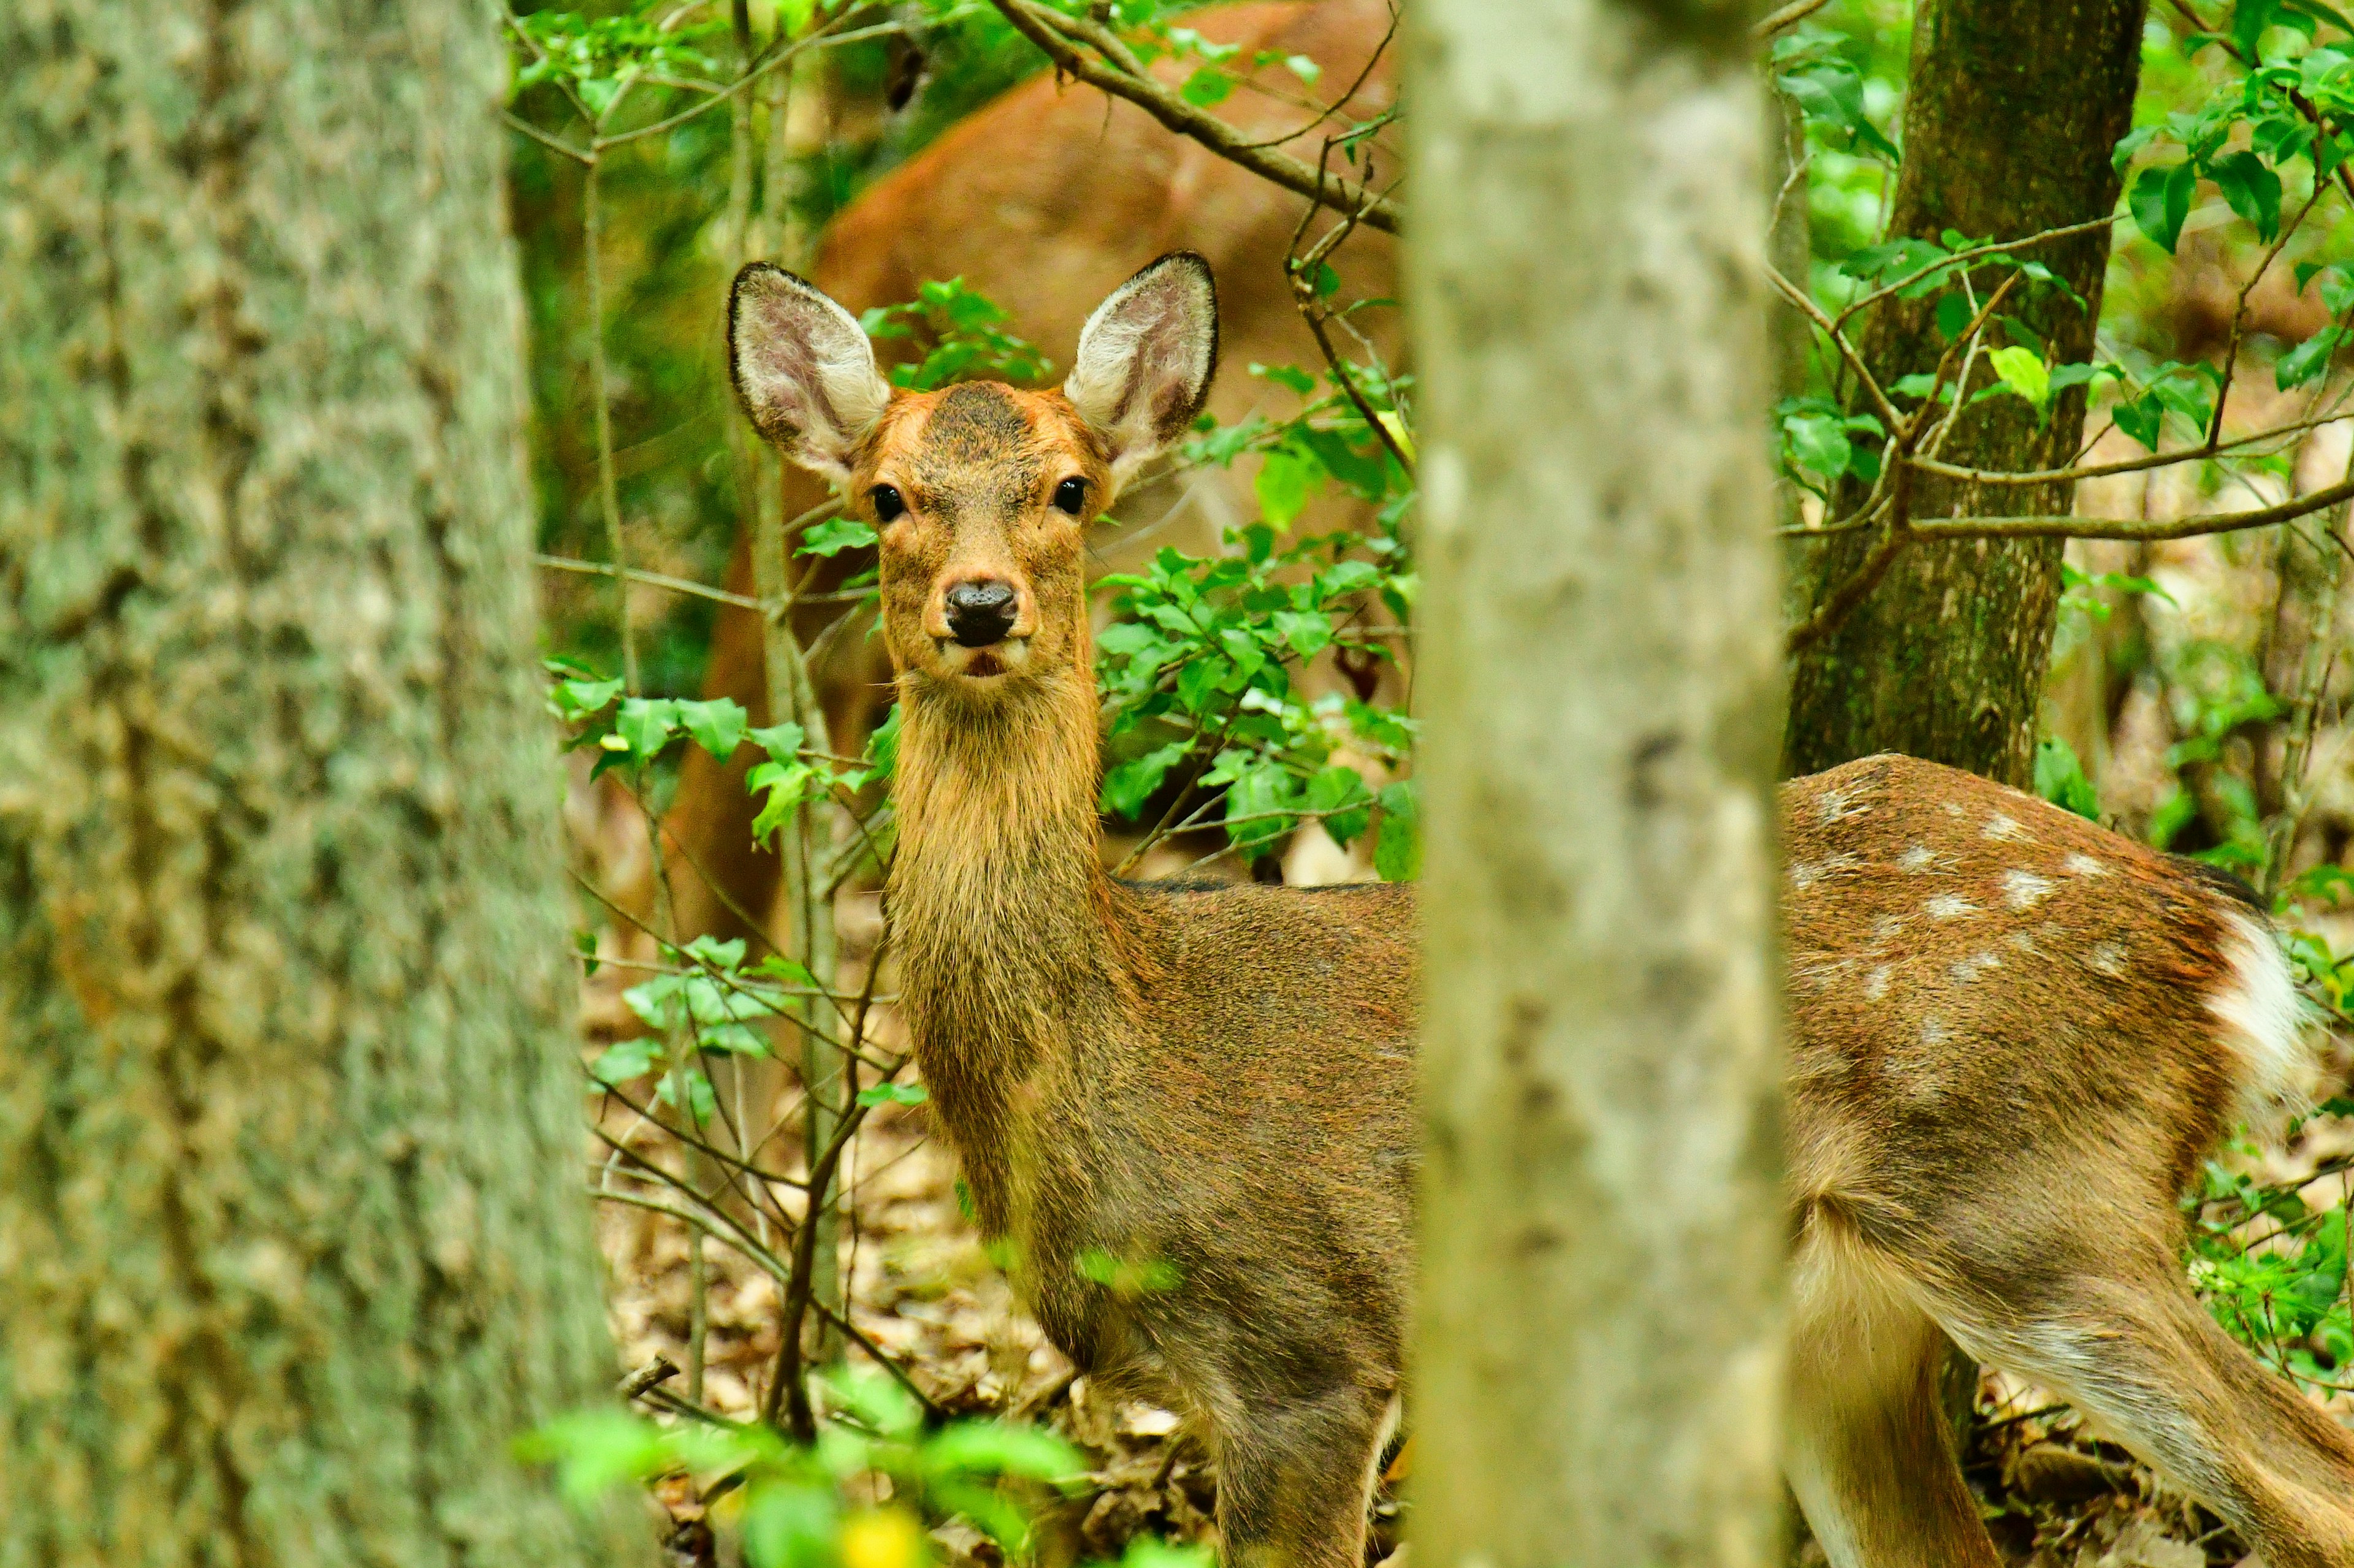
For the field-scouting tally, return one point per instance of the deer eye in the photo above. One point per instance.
(888, 503)
(1071, 496)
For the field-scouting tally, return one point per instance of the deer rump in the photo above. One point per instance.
(1096, 189)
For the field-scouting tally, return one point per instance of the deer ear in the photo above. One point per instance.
(803, 370)
(1145, 360)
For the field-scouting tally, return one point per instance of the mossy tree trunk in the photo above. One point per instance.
(292, 1242)
(1598, 1346)
(2009, 116)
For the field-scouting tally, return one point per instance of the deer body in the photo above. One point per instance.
(1191, 1111)
(1207, 1091)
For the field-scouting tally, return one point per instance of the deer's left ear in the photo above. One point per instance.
(1145, 360)
(803, 370)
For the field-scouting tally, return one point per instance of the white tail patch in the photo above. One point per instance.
(2265, 1024)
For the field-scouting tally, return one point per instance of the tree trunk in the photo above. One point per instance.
(291, 1238)
(2009, 116)
(1598, 1345)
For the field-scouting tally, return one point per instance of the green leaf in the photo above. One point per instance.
(1397, 852)
(895, 1095)
(1206, 87)
(2161, 201)
(1000, 1448)
(1817, 442)
(2308, 360)
(626, 1059)
(595, 1451)
(2024, 372)
(2060, 778)
(835, 535)
(1127, 787)
(2253, 190)
(788, 1525)
(1306, 69)
(1335, 791)
(1307, 632)
(2142, 419)
(782, 742)
(1286, 479)
(716, 725)
(645, 726)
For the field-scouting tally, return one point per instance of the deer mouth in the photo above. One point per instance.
(990, 662)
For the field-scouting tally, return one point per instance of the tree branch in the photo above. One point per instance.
(1055, 35)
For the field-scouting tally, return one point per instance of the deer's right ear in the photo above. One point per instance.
(803, 370)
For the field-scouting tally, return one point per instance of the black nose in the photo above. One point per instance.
(981, 613)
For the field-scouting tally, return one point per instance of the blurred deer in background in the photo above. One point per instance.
(1190, 1109)
(1044, 200)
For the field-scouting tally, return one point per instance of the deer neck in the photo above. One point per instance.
(1000, 913)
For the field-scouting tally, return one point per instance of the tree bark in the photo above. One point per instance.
(1598, 1349)
(2010, 112)
(292, 1244)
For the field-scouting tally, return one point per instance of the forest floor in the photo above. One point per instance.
(2053, 1493)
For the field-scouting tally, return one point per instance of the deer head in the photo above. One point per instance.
(980, 494)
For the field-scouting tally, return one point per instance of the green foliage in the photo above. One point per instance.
(2060, 778)
(966, 337)
(596, 56)
(812, 1507)
(1829, 88)
(2273, 1271)
(1197, 669)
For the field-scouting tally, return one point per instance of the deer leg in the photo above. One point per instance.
(2140, 1355)
(1295, 1476)
(1871, 1456)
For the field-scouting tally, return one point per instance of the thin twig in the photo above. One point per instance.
(652, 579)
(1787, 15)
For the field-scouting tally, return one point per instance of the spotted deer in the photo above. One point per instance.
(1190, 1109)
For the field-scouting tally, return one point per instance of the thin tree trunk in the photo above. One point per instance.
(1598, 1343)
(2010, 112)
(292, 1244)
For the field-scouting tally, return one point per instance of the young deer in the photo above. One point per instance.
(2014, 1035)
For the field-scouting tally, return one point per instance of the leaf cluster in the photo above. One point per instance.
(813, 1505)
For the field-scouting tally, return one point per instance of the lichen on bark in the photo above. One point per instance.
(291, 1239)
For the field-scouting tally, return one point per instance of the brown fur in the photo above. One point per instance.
(2005, 1062)
(2003, 1073)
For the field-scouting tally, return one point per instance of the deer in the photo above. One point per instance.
(1045, 233)
(1188, 1110)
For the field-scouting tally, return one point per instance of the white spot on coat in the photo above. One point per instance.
(2083, 866)
(1875, 984)
(2106, 958)
(1920, 857)
(1965, 970)
(1945, 906)
(2003, 829)
(2024, 890)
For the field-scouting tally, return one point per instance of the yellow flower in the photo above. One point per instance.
(883, 1538)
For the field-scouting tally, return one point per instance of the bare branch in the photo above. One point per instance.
(1787, 15)
(2103, 528)
(1055, 34)
(656, 580)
